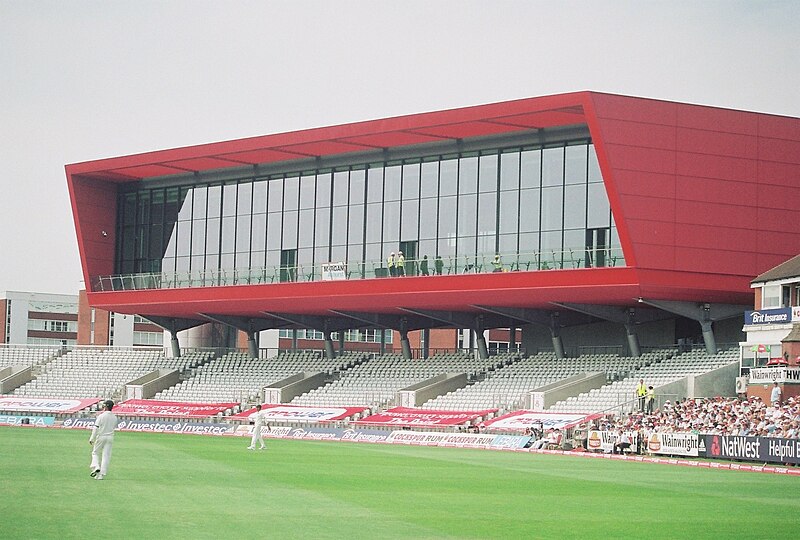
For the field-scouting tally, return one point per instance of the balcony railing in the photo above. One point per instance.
(509, 262)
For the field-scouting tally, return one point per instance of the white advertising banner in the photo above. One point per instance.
(789, 375)
(674, 444)
(333, 271)
(603, 441)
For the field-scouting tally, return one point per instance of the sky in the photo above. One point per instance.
(84, 80)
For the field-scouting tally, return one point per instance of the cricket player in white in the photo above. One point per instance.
(102, 439)
(259, 421)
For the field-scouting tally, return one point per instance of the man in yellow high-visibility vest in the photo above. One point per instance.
(641, 392)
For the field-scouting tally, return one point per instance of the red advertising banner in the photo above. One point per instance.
(296, 413)
(173, 409)
(406, 416)
(522, 420)
(44, 405)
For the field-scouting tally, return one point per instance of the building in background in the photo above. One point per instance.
(38, 319)
(577, 220)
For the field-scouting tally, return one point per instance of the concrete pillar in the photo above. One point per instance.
(294, 339)
(175, 345)
(483, 351)
(708, 337)
(383, 341)
(405, 344)
(426, 346)
(252, 344)
(341, 341)
(633, 337)
(555, 334)
(512, 338)
(329, 352)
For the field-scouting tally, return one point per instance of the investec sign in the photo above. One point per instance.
(768, 316)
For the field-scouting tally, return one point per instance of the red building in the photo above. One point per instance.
(618, 220)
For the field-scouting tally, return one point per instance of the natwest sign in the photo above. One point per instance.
(768, 316)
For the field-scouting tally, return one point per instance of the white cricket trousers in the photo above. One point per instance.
(101, 453)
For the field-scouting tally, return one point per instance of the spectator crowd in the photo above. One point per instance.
(717, 416)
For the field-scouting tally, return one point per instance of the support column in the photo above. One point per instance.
(512, 338)
(341, 341)
(633, 337)
(405, 344)
(174, 344)
(294, 339)
(329, 352)
(383, 341)
(708, 337)
(480, 339)
(426, 347)
(555, 334)
(252, 344)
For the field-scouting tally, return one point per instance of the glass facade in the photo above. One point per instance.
(539, 207)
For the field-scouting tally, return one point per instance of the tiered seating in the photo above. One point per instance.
(656, 374)
(376, 382)
(238, 377)
(508, 387)
(25, 356)
(88, 373)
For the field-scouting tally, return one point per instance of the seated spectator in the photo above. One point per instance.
(556, 438)
(622, 443)
(539, 443)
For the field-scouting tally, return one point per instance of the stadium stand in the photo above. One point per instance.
(657, 373)
(238, 377)
(85, 373)
(376, 382)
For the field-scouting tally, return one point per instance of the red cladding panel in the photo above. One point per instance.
(712, 190)
(641, 158)
(645, 184)
(779, 174)
(779, 150)
(719, 120)
(390, 140)
(628, 133)
(702, 166)
(720, 144)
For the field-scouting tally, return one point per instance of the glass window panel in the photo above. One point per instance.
(374, 255)
(466, 247)
(575, 206)
(323, 190)
(448, 178)
(487, 213)
(129, 209)
(551, 241)
(341, 188)
(182, 264)
(184, 239)
(509, 211)
(322, 229)
(228, 234)
(199, 202)
(374, 222)
(338, 253)
(508, 243)
(157, 206)
(229, 200)
(594, 166)
(243, 233)
(430, 179)
(244, 202)
(529, 210)
(552, 200)
(291, 193)
(575, 165)
(598, 209)
(447, 217)
(391, 183)
(274, 231)
(574, 241)
(226, 262)
(428, 247)
(259, 197)
(199, 263)
(168, 264)
(275, 195)
(411, 176)
(307, 191)
(306, 228)
(487, 177)
(468, 175)
(530, 169)
(258, 240)
(486, 246)
(242, 261)
(509, 171)
(321, 255)
(339, 231)
(357, 186)
(427, 218)
(355, 228)
(172, 242)
(391, 221)
(289, 230)
(212, 237)
(467, 210)
(375, 184)
(214, 203)
(273, 259)
(171, 205)
(128, 243)
(553, 166)
(410, 220)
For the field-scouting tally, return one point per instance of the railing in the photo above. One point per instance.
(472, 264)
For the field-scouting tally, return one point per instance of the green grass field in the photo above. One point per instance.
(183, 486)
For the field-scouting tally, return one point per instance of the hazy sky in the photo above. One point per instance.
(83, 80)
